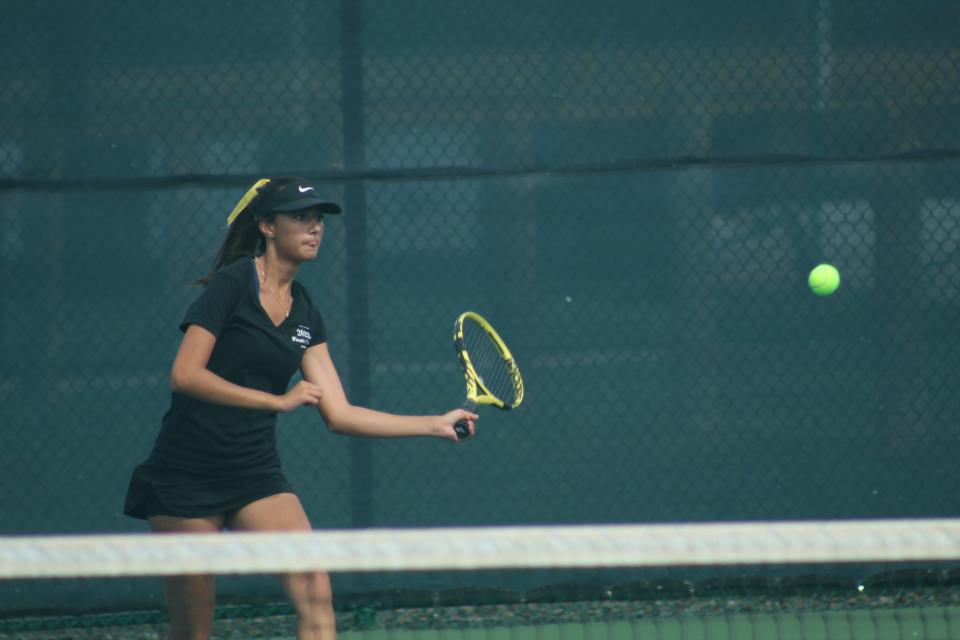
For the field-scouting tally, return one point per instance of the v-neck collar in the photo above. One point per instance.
(256, 293)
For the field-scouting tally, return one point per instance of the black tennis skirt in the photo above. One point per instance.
(161, 491)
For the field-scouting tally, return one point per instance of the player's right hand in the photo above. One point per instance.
(449, 421)
(302, 393)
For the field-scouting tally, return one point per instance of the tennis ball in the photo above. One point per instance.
(824, 279)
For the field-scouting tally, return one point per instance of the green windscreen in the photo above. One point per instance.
(632, 193)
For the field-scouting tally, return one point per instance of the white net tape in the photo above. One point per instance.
(700, 544)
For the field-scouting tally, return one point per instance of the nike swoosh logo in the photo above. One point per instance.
(305, 189)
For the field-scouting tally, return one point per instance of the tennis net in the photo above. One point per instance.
(810, 579)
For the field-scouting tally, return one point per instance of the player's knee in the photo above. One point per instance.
(310, 591)
(318, 587)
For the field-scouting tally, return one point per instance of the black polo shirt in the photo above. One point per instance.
(210, 439)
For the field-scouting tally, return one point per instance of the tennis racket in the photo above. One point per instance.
(489, 369)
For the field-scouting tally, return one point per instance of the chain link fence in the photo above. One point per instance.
(633, 193)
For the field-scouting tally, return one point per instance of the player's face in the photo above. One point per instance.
(298, 234)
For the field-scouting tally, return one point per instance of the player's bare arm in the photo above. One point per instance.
(342, 417)
(190, 376)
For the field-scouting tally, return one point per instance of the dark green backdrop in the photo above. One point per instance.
(632, 192)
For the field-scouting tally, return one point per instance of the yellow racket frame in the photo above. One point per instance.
(477, 392)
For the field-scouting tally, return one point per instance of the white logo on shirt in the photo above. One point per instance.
(302, 337)
(304, 189)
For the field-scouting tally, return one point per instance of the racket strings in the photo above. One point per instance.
(488, 361)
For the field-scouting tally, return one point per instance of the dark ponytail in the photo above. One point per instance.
(243, 234)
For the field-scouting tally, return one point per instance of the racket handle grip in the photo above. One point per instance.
(461, 428)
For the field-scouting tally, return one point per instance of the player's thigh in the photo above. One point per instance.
(279, 512)
(310, 591)
(173, 524)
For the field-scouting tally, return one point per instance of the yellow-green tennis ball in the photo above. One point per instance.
(824, 279)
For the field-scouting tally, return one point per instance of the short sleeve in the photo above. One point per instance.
(318, 331)
(215, 305)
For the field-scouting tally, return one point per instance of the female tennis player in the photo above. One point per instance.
(215, 464)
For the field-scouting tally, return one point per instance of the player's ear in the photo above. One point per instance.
(266, 227)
